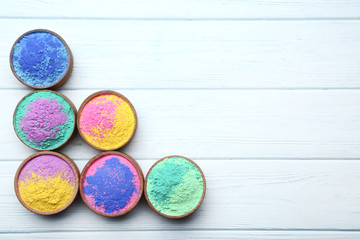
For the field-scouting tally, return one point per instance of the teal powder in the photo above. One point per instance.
(44, 120)
(175, 186)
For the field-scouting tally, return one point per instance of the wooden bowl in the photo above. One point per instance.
(62, 79)
(93, 96)
(91, 161)
(63, 157)
(188, 213)
(72, 107)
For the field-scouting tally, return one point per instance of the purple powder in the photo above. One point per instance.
(48, 166)
(44, 120)
(41, 120)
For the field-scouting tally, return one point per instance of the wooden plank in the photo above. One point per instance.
(186, 9)
(222, 124)
(192, 235)
(200, 54)
(241, 195)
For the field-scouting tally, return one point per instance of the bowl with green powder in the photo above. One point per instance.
(175, 187)
(41, 59)
(44, 120)
(47, 182)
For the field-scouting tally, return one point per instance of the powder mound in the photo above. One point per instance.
(111, 184)
(46, 194)
(174, 186)
(40, 59)
(46, 183)
(44, 120)
(107, 121)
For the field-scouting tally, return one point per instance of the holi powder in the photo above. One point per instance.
(174, 186)
(107, 121)
(111, 185)
(47, 183)
(44, 120)
(40, 59)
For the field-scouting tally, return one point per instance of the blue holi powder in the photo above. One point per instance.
(111, 185)
(40, 59)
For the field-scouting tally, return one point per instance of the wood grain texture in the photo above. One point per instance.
(263, 95)
(223, 124)
(186, 9)
(275, 195)
(200, 54)
(192, 235)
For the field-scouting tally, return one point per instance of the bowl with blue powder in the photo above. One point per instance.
(41, 59)
(44, 120)
(175, 187)
(111, 184)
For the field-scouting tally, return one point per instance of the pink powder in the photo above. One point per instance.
(100, 162)
(98, 112)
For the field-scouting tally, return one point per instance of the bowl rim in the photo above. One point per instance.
(93, 96)
(200, 201)
(67, 100)
(132, 161)
(62, 79)
(63, 157)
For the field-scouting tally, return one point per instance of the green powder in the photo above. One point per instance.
(44, 120)
(175, 186)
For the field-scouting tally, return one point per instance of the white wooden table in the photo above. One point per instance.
(263, 95)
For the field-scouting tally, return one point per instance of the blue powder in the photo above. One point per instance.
(40, 59)
(111, 186)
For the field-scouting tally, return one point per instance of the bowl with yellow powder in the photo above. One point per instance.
(175, 187)
(47, 182)
(107, 120)
(111, 184)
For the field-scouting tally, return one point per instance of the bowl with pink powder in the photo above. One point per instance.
(106, 120)
(44, 120)
(111, 184)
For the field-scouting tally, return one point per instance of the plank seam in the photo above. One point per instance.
(227, 159)
(187, 19)
(195, 229)
(199, 89)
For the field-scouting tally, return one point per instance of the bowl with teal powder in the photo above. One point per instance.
(175, 187)
(41, 59)
(44, 120)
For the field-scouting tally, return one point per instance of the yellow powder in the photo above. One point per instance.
(122, 120)
(47, 194)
